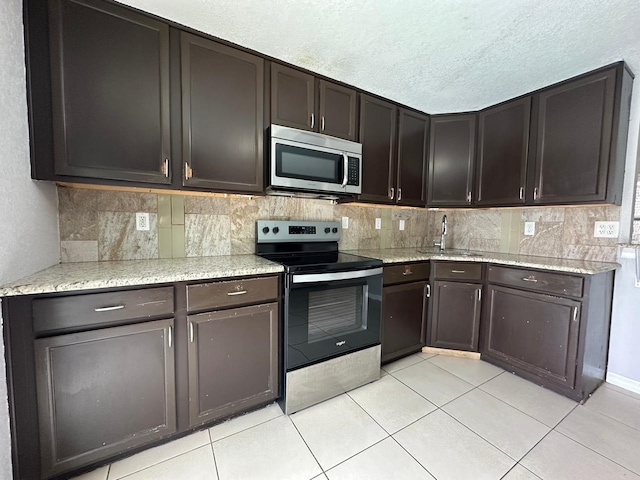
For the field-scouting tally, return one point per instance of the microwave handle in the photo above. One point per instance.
(345, 169)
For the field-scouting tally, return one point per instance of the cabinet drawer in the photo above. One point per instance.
(74, 311)
(235, 292)
(458, 270)
(547, 282)
(411, 272)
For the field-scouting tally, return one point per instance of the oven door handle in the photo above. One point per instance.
(328, 277)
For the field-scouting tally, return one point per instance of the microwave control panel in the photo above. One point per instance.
(353, 171)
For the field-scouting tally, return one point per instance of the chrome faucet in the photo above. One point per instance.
(443, 232)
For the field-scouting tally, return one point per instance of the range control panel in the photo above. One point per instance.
(297, 231)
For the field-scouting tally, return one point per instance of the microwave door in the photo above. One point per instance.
(311, 168)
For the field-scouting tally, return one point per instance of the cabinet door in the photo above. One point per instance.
(101, 392)
(378, 135)
(574, 130)
(403, 318)
(110, 92)
(455, 319)
(222, 116)
(503, 146)
(452, 146)
(292, 98)
(337, 111)
(413, 134)
(233, 361)
(534, 332)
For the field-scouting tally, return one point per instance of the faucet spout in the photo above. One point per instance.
(443, 233)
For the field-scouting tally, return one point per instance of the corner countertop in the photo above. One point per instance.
(400, 255)
(67, 277)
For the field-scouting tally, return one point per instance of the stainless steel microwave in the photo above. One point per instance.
(315, 163)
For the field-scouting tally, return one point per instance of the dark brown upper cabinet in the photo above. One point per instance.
(294, 103)
(452, 145)
(337, 110)
(222, 116)
(411, 172)
(378, 136)
(109, 93)
(503, 146)
(581, 138)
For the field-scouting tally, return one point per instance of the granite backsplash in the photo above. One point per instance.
(97, 225)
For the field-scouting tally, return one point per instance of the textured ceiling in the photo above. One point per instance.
(436, 56)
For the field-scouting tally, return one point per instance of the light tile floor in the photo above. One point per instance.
(428, 417)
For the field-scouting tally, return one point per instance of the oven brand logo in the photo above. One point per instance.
(339, 344)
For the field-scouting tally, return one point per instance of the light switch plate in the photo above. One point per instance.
(529, 228)
(142, 221)
(345, 222)
(401, 225)
(378, 223)
(606, 229)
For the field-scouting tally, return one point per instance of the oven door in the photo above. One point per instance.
(331, 314)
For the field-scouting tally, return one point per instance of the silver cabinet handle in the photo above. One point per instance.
(575, 314)
(399, 194)
(428, 290)
(458, 271)
(535, 193)
(468, 197)
(322, 124)
(407, 272)
(239, 292)
(170, 336)
(165, 167)
(393, 193)
(188, 171)
(521, 193)
(479, 294)
(108, 309)
(191, 332)
(530, 279)
(345, 168)
(313, 120)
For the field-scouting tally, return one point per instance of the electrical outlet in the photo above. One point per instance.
(345, 222)
(378, 223)
(529, 228)
(142, 221)
(606, 229)
(401, 224)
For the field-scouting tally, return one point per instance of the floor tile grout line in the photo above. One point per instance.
(322, 470)
(215, 463)
(400, 369)
(467, 381)
(244, 429)
(633, 395)
(519, 464)
(354, 455)
(596, 452)
(409, 453)
(612, 418)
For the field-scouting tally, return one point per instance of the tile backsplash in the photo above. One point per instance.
(100, 225)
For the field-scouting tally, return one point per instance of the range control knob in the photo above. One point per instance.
(276, 229)
(335, 230)
(265, 230)
(327, 230)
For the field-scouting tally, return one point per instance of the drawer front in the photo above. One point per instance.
(458, 270)
(211, 296)
(50, 314)
(409, 272)
(558, 283)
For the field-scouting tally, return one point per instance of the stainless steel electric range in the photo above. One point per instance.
(332, 310)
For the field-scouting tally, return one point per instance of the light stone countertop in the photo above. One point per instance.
(67, 277)
(400, 255)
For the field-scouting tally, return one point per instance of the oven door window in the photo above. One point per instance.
(332, 318)
(309, 164)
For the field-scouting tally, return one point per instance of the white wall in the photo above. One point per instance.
(29, 239)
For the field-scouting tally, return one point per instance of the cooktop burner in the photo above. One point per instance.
(306, 246)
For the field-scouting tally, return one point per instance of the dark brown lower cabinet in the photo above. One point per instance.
(104, 391)
(549, 327)
(536, 332)
(233, 360)
(455, 318)
(404, 308)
